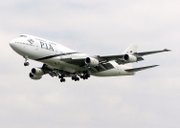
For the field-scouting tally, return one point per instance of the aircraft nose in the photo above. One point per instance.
(12, 43)
(17, 45)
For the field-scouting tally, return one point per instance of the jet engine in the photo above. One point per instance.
(93, 62)
(130, 58)
(36, 73)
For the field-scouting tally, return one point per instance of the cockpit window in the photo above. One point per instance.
(23, 36)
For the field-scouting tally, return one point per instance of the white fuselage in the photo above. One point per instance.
(52, 54)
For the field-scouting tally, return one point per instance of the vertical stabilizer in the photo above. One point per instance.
(131, 49)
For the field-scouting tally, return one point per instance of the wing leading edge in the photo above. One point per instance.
(151, 52)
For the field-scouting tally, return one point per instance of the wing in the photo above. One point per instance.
(102, 66)
(129, 57)
(140, 68)
(151, 52)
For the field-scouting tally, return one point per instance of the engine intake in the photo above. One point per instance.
(93, 62)
(35, 77)
(130, 58)
(36, 73)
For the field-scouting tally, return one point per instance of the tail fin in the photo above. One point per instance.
(131, 49)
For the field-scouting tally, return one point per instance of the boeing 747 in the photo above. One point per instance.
(63, 62)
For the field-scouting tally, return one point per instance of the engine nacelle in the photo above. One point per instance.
(36, 73)
(130, 58)
(35, 77)
(93, 62)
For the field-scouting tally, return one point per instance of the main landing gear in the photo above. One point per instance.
(75, 78)
(85, 75)
(62, 79)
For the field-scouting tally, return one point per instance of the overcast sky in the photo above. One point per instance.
(150, 99)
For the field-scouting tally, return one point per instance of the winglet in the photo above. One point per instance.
(166, 50)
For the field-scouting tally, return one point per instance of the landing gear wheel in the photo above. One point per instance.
(75, 78)
(62, 80)
(85, 75)
(61, 77)
(26, 63)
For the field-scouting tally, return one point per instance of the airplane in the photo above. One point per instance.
(60, 61)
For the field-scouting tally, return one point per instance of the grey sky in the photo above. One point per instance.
(149, 99)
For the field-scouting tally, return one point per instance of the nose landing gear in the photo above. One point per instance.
(26, 63)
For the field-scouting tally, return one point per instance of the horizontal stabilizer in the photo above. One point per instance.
(140, 68)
